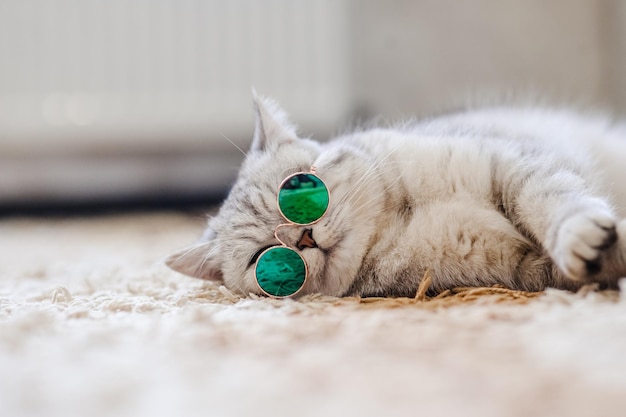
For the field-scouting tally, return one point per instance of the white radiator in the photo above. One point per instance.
(77, 73)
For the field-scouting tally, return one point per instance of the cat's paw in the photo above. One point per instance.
(580, 242)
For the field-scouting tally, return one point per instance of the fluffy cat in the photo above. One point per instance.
(527, 198)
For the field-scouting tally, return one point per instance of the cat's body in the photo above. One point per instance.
(518, 197)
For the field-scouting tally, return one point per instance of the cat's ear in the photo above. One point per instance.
(271, 125)
(197, 261)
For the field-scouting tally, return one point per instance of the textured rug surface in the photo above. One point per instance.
(91, 324)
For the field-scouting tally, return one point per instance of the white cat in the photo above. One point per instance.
(527, 198)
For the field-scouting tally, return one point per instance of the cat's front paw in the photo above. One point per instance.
(580, 242)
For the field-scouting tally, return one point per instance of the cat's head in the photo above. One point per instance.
(246, 221)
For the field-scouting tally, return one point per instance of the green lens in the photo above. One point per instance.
(280, 272)
(303, 198)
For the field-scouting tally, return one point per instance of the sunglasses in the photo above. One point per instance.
(302, 200)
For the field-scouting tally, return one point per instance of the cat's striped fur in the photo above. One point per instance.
(527, 198)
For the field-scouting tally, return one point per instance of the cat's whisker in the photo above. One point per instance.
(370, 176)
(375, 170)
(192, 248)
(234, 144)
(382, 210)
(207, 257)
(399, 178)
(364, 179)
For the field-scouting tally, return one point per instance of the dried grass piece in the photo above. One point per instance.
(427, 280)
(496, 294)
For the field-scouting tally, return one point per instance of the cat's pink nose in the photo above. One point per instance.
(306, 240)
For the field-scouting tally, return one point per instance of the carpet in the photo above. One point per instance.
(92, 324)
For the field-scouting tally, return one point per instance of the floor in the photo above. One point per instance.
(92, 323)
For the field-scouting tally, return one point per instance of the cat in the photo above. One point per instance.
(527, 198)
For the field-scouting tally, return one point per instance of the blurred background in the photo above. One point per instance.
(126, 104)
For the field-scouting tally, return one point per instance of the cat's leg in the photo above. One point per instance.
(555, 205)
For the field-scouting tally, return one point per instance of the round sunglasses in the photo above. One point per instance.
(303, 199)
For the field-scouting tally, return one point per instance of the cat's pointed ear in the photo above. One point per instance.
(271, 125)
(197, 261)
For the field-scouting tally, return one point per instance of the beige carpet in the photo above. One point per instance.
(92, 325)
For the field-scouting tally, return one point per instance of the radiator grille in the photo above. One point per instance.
(149, 70)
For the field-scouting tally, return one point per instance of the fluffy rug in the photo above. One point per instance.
(91, 324)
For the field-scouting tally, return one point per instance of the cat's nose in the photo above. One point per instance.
(306, 240)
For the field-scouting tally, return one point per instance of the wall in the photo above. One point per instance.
(415, 57)
(108, 99)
